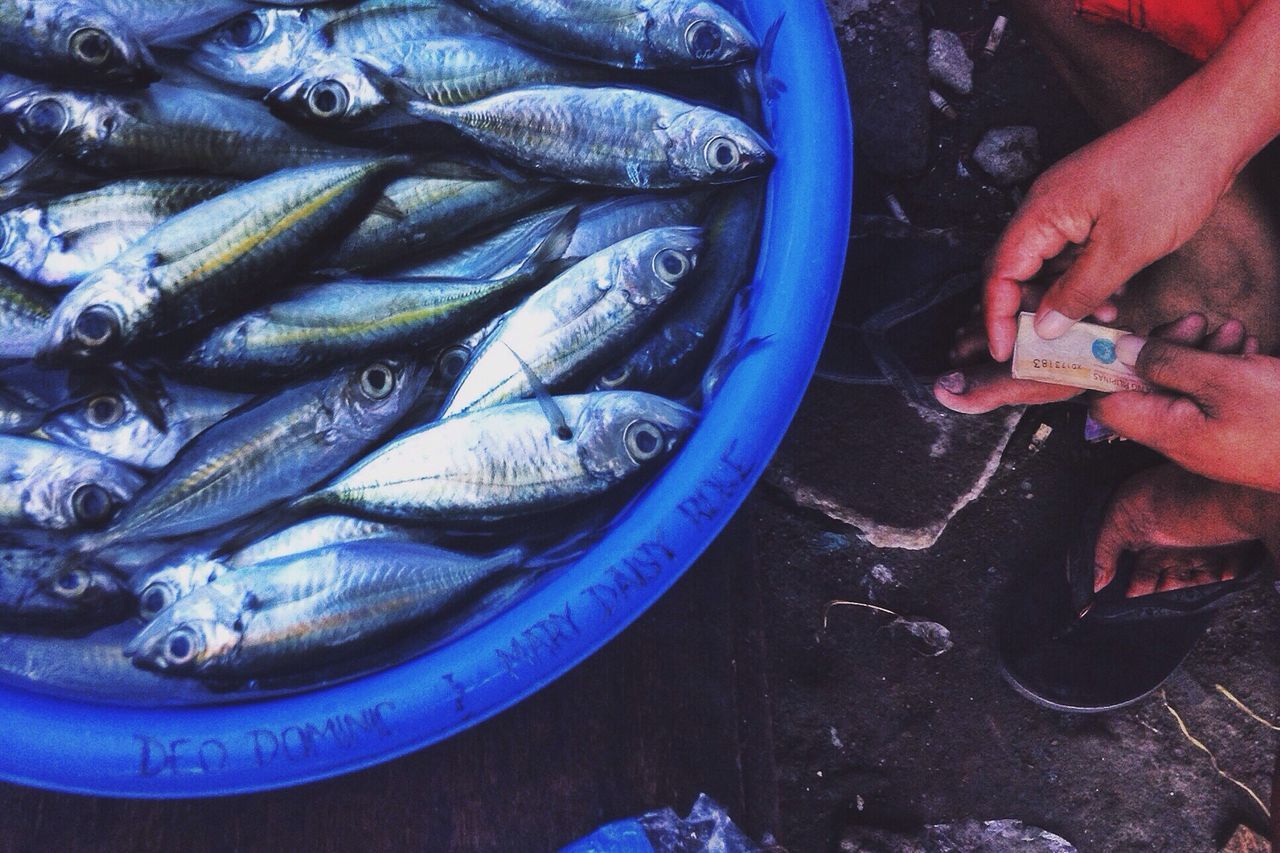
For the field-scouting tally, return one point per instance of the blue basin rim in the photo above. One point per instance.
(220, 750)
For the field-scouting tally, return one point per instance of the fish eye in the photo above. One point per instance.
(617, 377)
(723, 154)
(96, 326)
(243, 31)
(671, 265)
(91, 504)
(643, 441)
(452, 362)
(46, 117)
(104, 411)
(155, 598)
(328, 99)
(704, 39)
(181, 646)
(91, 46)
(378, 381)
(72, 583)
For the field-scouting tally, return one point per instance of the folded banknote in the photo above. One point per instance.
(1085, 357)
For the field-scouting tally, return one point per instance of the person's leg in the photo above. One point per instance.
(1230, 269)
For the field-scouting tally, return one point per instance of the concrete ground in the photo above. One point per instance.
(877, 500)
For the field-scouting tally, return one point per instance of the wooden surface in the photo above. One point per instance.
(675, 706)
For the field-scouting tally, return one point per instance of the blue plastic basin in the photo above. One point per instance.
(213, 750)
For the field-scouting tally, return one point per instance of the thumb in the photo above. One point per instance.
(1096, 274)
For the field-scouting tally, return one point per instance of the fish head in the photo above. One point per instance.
(699, 34)
(337, 91)
(257, 49)
(47, 586)
(708, 146)
(63, 121)
(96, 320)
(99, 47)
(656, 262)
(109, 422)
(621, 433)
(78, 584)
(367, 400)
(191, 634)
(75, 490)
(161, 585)
(24, 242)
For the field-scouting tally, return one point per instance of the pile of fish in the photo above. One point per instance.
(318, 322)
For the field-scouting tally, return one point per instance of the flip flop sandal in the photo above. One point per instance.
(1120, 650)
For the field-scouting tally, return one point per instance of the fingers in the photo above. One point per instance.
(1175, 367)
(1160, 421)
(978, 390)
(1188, 331)
(1030, 240)
(1096, 275)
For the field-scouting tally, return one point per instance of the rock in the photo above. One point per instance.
(949, 64)
(971, 836)
(1010, 155)
(885, 59)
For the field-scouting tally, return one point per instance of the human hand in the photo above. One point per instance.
(1170, 518)
(1108, 211)
(1214, 414)
(982, 385)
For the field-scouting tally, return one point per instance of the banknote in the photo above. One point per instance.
(1085, 357)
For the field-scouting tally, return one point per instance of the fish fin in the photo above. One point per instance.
(148, 392)
(401, 96)
(552, 248)
(550, 408)
(771, 85)
(388, 208)
(722, 367)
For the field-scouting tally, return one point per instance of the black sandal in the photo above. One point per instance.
(1067, 650)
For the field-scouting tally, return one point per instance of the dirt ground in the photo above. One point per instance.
(877, 500)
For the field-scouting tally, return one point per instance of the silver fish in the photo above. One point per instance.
(263, 49)
(24, 317)
(585, 316)
(278, 615)
(207, 260)
(57, 243)
(48, 486)
(426, 213)
(45, 588)
(160, 585)
(335, 322)
(268, 451)
(78, 42)
(113, 423)
(605, 136)
(507, 462)
(630, 33)
(441, 70)
(172, 127)
(669, 356)
(172, 22)
(600, 225)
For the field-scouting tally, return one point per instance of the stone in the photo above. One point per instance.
(1009, 155)
(949, 64)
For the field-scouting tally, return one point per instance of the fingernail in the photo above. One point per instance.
(953, 383)
(1053, 325)
(1128, 348)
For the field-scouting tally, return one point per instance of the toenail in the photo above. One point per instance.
(953, 383)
